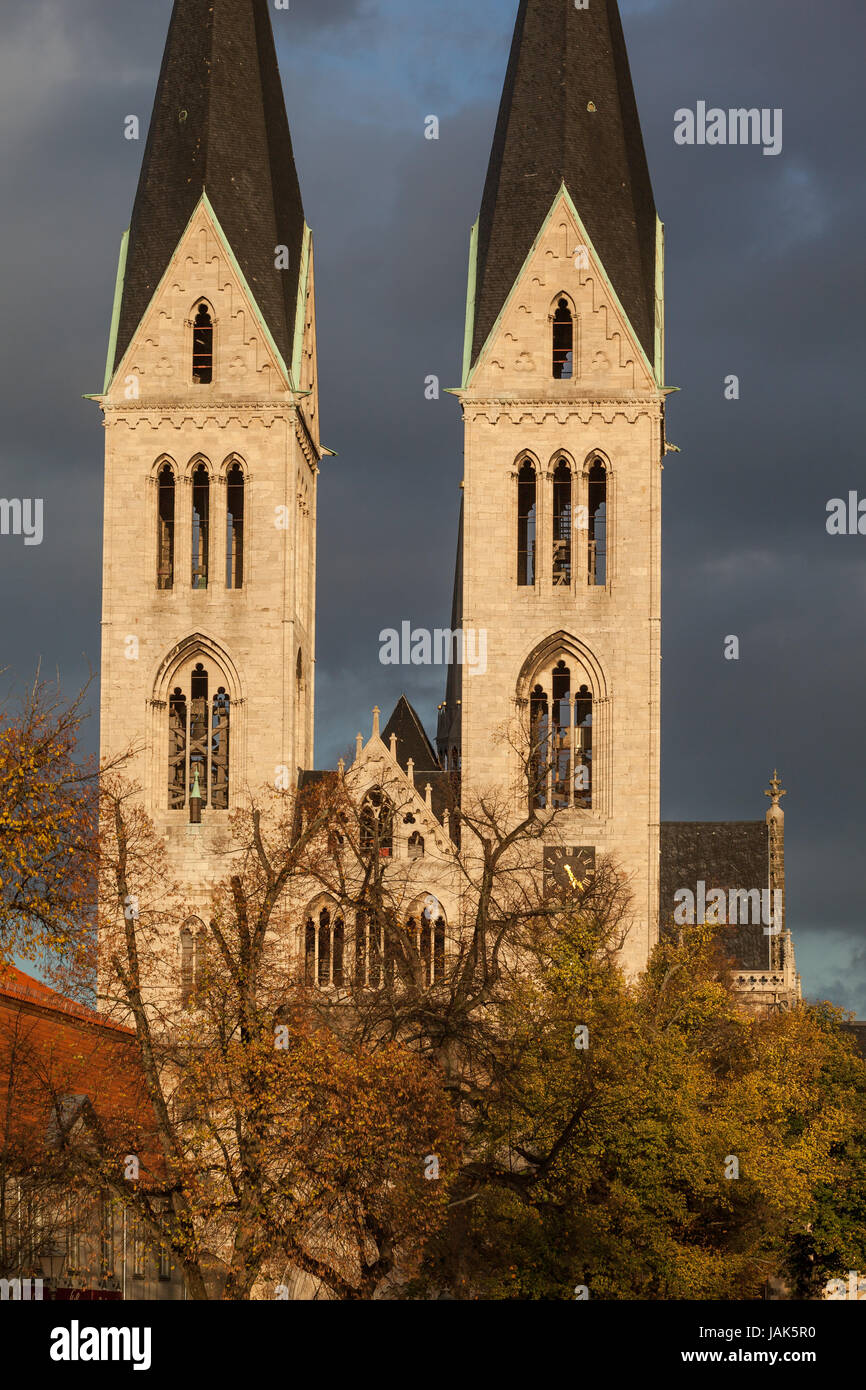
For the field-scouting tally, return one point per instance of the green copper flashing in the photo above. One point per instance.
(300, 308)
(470, 303)
(586, 241)
(115, 312)
(268, 336)
(660, 304)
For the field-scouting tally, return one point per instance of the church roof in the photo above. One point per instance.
(568, 115)
(412, 740)
(219, 126)
(721, 854)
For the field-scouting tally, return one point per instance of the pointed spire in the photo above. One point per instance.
(219, 126)
(568, 115)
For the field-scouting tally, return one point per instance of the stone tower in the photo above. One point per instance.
(563, 401)
(212, 444)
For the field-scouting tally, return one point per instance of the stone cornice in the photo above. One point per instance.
(585, 411)
(206, 410)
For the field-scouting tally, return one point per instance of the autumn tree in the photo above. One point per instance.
(48, 803)
(276, 1141)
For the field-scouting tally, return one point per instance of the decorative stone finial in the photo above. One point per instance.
(410, 770)
(394, 747)
(341, 767)
(428, 795)
(376, 713)
(775, 791)
(359, 745)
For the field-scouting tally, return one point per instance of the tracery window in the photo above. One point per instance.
(198, 742)
(560, 726)
(324, 949)
(377, 824)
(427, 929)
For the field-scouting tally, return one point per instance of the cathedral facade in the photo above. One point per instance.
(213, 452)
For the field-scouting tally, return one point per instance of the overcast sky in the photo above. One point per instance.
(764, 280)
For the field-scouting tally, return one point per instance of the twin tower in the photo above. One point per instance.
(213, 449)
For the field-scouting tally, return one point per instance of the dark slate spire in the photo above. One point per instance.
(219, 126)
(563, 59)
(412, 740)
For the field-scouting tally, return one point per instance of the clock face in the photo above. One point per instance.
(568, 868)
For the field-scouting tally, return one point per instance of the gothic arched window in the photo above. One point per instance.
(199, 732)
(526, 518)
(560, 733)
(200, 526)
(220, 751)
(235, 504)
(563, 342)
(198, 742)
(324, 948)
(368, 952)
(187, 966)
(583, 748)
(167, 493)
(538, 736)
(427, 930)
(377, 824)
(597, 507)
(193, 960)
(201, 944)
(177, 735)
(202, 347)
(562, 523)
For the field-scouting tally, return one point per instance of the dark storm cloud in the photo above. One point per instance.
(764, 280)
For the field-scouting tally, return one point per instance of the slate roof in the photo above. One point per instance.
(562, 59)
(219, 125)
(412, 740)
(721, 854)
